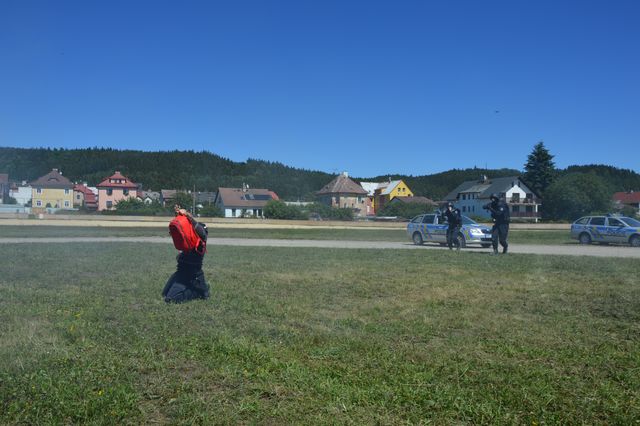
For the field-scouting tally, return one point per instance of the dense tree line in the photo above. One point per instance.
(207, 171)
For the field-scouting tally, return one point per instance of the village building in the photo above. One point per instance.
(471, 196)
(4, 187)
(21, 193)
(630, 199)
(84, 197)
(168, 197)
(343, 192)
(381, 193)
(205, 198)
(113, 189)
(243, 202)
(52, 191)
(149, 197)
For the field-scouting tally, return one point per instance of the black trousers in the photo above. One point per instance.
(452, 236)
(185, 285)
(499, 233)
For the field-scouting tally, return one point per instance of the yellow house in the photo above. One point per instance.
(51, 191)
(387, 191)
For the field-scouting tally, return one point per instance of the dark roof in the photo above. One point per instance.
(117, 180)
(342, 185)
(53, 180)
(483, 187)
(205, 197)
(168, 194)
(248, 198)
(153, 195)
(627, 197)
(417, 199)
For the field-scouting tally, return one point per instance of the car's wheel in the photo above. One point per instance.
(584, 238)
(485, 245)
(463, 242)
(417, 239)
(634, 241)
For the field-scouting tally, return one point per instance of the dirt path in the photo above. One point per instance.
(564, 250)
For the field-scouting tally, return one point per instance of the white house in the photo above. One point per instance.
(22, 193)
(470, 196)
(243, 202)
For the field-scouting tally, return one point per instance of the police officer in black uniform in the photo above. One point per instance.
(500, 214)
(454, 218)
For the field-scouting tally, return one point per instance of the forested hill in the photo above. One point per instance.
(616, 179)
(207, 171)
(162, 170)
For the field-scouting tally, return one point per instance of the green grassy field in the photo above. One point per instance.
(515, 236)
(317, 336)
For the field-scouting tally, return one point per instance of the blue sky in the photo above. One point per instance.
(371, 87)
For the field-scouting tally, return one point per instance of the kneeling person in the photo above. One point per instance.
(190, 237)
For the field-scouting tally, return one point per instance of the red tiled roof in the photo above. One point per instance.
(53, 179)
(89, 196)
(124, 182)
(627, 197)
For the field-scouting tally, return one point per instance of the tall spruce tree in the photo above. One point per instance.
(540, 170)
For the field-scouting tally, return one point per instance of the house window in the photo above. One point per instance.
(464, 209)
(38, 203)
(77, 196)
(66, 203)
(109, 191)
(109, 204)
(233, 212)
(66, 192)
(515, 209)
(39, 191)
(125, 192)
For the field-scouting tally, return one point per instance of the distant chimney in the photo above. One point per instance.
(483, 178)
(345, 174)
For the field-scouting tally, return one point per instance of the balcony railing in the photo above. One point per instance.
(529, 201)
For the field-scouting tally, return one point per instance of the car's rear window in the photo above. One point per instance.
(598, 221)
(615, 222)
(428, 218)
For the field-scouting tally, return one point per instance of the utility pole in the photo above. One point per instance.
(193, 195)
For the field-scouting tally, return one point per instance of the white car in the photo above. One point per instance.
(429, 228)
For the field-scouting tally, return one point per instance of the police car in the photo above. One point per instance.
(430, 228)
(606, 229)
